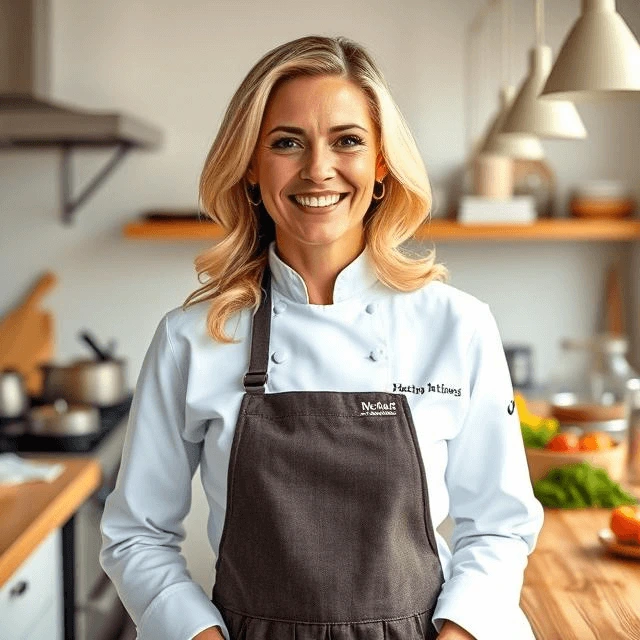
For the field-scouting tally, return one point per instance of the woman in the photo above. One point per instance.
(338, 426)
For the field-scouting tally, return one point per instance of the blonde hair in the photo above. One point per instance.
(235, 265)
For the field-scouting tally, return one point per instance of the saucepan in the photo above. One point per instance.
(99, 382)
(57, 419)
(64, 419)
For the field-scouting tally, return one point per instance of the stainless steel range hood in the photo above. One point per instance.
(28, 116)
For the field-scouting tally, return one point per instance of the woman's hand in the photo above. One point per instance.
(212, 633)
(452, 631)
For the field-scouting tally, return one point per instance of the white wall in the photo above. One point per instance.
(177, 65)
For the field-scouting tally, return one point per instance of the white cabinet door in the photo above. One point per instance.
(49, 625)
(33, 594)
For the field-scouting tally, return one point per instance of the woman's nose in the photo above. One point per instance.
(318, 164)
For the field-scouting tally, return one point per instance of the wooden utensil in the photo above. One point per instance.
(26, 335)
(614, 321)
(34, 376)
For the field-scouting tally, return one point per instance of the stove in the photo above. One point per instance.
(93, 610)
(15, 436)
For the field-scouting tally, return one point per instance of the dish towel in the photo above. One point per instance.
(15, 470)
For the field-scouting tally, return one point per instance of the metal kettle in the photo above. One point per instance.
(14, 399)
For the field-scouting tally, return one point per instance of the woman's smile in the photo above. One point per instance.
(320, 202)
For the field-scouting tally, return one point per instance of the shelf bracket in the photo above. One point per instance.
(69, 205)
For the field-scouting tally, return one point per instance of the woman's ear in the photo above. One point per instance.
(381, 168)
(251, 174)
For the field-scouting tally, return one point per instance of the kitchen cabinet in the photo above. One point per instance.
(31, 601)
(553, 229)
(30, 511)
(35, 523)
(42, 630)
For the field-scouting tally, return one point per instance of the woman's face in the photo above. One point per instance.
(316, 161)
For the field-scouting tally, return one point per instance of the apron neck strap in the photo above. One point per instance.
(256, 378)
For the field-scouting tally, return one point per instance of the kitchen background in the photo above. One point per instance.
(177, 65)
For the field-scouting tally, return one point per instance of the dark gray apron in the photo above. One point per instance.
(327, 533)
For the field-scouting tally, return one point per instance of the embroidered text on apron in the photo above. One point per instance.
(327, 533)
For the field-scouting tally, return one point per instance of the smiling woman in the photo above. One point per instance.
(357, 403)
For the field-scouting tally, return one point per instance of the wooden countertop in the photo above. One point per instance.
(30, 511)
(574, 589)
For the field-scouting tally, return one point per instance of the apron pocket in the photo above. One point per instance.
(242, 627)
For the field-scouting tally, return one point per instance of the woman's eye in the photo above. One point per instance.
(351, 141)
(285, 143)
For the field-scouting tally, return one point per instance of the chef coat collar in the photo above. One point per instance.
(352, 280)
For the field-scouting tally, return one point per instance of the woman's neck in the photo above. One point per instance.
(319, 265)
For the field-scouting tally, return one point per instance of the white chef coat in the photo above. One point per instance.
(437, 345)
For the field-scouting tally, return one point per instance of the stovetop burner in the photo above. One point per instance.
(14, 436)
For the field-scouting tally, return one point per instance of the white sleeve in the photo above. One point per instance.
(496, 517)
(142, 526)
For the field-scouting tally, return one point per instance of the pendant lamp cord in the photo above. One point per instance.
(506, 32)
(474, 70)
(540, 23)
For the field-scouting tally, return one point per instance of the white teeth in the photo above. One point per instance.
(313, 201)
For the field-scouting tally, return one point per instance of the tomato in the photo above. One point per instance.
(596, 441)
(625, 523)
(564, 442)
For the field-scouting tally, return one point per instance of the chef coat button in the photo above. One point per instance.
(278, 357)
(377, 354)
(370, 308)
(279, 307)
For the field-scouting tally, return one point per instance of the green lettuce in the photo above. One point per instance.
(575, 486)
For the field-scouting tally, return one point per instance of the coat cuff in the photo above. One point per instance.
(485, 610)
(180, 612)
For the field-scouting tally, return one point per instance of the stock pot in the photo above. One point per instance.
(99, 382)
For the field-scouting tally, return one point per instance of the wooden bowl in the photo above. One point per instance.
(578, 413)
(602, 207)
(613, 460)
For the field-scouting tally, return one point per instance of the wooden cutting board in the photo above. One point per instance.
(27, 335)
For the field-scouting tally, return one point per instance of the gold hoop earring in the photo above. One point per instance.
(249, 190)
(375, 196)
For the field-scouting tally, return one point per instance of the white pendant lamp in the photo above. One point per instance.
(543, 118)
(519, 146)
(600, 58)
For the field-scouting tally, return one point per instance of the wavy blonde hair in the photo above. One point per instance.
(234, 266)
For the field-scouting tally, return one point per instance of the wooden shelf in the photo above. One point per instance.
(559, 229)
(174, 230)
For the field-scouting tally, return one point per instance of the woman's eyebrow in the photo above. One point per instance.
(299, 131)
